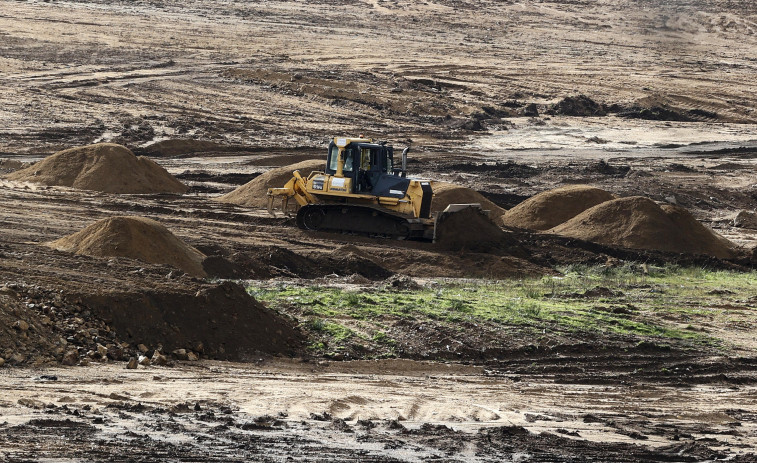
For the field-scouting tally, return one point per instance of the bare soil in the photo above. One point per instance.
(506, 99)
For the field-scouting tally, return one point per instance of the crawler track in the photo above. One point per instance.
(361, 220)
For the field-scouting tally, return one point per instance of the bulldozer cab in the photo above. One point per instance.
(365, 163)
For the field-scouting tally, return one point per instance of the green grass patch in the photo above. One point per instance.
(632, 300)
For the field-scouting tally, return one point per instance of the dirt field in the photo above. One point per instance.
(650, 98)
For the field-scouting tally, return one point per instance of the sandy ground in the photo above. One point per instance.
(270, 83)
(211, 405)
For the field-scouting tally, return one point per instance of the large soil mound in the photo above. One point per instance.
(638, 222)
(103, 167)
(551, 208)
(471, 230)
(255, 192)
(221, 322)
(218, 321)
(449, 193)
(135, 238)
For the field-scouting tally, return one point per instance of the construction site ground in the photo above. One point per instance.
(605, 354)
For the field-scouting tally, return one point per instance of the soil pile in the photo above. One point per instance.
(221, 321)
(218, 321)
(23, 337)
(551, 208)
(177, 147)
(10, 165)
(580, 105)
(471, 230)
(135, 238)
(639, 223)
(449, 193)
(255, 192)
(103, 167)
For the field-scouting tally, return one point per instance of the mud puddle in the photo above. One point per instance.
(372, 410)
(597, 137)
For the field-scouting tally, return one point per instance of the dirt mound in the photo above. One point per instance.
(222, 321)
(211, 320)
(449, 193)
(135, 238)
(23, 337)
(400, 282)
(638, 222)
(551, 208)
(10, 165)
(255, 192)
(103, 167)
(471, 230)
(177, 147)
(664, 108)
(580, 105)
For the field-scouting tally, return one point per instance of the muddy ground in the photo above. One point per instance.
(487, 94)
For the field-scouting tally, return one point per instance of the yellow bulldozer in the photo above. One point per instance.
(363, 191)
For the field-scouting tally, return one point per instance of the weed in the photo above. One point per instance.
(353, 299)
(668, 302)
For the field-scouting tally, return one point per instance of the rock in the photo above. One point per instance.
(745, 219)
(401, 283)
(191, 356)
(70, 358)
(180, 354)
(530, 110)
(84, 362)
(133, 364)
(21, 325)
(144, 361)
(142, 348)
(6, 291)
(2, 361)
(115, 352)
(159, 359)
(102, 351)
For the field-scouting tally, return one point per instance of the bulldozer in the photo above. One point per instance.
(363, 191)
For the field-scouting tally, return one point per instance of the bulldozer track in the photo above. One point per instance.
(360, 220)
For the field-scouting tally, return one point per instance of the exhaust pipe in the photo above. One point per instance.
(404, 161)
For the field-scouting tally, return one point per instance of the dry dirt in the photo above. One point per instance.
(651, 98)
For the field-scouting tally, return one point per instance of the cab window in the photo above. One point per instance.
(334, 157)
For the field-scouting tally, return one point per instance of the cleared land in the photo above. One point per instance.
(553, 349)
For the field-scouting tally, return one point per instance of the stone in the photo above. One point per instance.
(102, 351)
(84, 362)
(159, 359)
(745, 219)
(2, 361)
(144, 361)
(115, 352)
(133, 364)
(70, 358)
(21, 325)
(142, 348)
(191, 356)
(180, 354)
